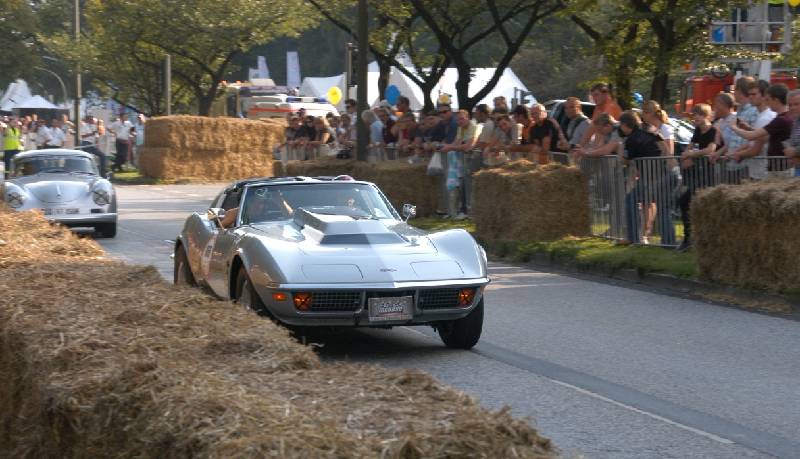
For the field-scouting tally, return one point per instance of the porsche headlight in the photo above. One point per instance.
(101, 197)
(15, 199)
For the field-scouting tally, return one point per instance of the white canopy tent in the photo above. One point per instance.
(506, 86)
(36, 102)
(16, 92)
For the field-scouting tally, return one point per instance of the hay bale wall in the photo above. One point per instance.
(748, 234)
(522, 202)
(400, 181)
(202, 148)
(102, 359)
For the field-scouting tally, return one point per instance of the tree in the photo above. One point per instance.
(202, 36)
(461, 26)
(17, 40)
(397, 36)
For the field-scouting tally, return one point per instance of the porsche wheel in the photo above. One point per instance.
(181, 272)
(246, 294)
(108, 230)
(463, 333)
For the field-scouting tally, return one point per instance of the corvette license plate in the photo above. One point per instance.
(391, 308)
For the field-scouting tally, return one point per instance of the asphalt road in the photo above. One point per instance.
(603, 370)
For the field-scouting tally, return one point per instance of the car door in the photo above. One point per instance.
(220, 248)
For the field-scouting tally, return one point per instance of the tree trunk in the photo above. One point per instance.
(622, 88)
(462, 86)
(658, 89)
(384, 69)
(206, 99)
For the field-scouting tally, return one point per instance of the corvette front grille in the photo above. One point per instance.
(347, 300)
(439, 298)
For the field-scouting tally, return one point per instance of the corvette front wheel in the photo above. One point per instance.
(463, 333)
(246, 294)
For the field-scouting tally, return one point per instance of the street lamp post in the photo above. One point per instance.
(60, 81)
(77, 75)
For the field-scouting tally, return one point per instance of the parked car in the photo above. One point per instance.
(333, 252)
(65, 186)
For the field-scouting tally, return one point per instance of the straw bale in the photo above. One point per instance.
(747, 234)
(102, 359)
(400, 181)
(524, 202)
(195, 147)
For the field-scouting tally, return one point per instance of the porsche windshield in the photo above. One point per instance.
(51, 164)
(278, 202)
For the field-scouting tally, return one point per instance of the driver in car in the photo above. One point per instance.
(261, 206)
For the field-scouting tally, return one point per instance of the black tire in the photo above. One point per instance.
(182, 272)
(108, 230)
(463, 333)
(246, 294)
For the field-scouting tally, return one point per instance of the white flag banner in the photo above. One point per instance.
(263, 70)
(292, 69)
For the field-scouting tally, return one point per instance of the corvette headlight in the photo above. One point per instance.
(101, 197)
(15, 199)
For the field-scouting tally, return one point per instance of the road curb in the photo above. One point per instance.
(726, 295)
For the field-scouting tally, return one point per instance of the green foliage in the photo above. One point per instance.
(18, 44)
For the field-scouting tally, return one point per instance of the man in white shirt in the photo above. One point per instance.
(57, 135)
(43, 134)
(88, 132)
(121, 130)
(753, 154)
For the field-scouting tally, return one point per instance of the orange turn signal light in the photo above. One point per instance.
(302, 301)
(279, 296)
(466, 296)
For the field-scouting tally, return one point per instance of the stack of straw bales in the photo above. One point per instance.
(748, 234)
(522, 202)
(195, 147)
(400, 181)
(102, 359)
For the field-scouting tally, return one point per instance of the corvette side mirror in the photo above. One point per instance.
(215, 214)
(409, 211)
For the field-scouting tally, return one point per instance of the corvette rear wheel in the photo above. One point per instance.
(463, 333)
(181, 272)
(246, 294)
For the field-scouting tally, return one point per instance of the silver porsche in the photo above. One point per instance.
(65, 186)
(333, 252)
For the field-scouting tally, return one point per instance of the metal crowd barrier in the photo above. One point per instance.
(647, 200)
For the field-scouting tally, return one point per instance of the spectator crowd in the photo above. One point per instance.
(31, 132)
(737, 132)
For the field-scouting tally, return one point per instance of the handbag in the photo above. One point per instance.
(436, 164)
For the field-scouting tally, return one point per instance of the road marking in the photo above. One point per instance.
(704, 424)
(645, 413)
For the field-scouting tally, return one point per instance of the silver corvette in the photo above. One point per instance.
(333, 252)
(65, 186)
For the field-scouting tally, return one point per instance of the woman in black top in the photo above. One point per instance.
(696, 170)
(638, 143)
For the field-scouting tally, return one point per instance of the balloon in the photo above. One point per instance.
(392, 93)
(334, 95)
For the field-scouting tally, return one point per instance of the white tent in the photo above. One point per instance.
(36, 102)
(506, 86)
(16, 92)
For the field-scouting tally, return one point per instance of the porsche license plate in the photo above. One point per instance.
(390, 308)
(61, 211)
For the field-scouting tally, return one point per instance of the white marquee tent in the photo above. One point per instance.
(506, 86)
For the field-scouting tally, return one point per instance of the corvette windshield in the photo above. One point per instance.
(278, 202)
(47, 164)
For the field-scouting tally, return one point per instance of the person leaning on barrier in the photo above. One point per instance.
(466, 136)
(755, 115)
(505, 134)
(777, 131)
(696, 173)
(577, 125)
(638, 143)
(727, 140)
(605, 140)
(666, 173)
(792, 151)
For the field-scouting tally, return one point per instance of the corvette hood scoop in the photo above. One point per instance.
(340, 229)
